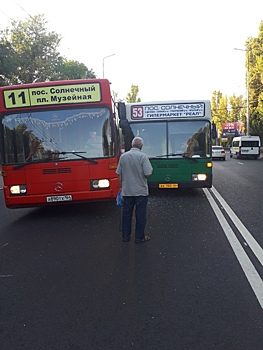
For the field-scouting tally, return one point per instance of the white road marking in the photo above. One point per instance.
(4, 276)
(251, 273)
(240, 163)
(250, 240)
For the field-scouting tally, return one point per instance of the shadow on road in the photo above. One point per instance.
(184, 192)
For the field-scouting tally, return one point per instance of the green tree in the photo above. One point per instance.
(237, 106)
(227, 109)
(33, 54)
(254, 65)
(230, 109)
(219, 109)
(70, 69)
(132, 96)
(8, 62)
(29, 53)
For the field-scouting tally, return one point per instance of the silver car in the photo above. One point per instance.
(218, 152)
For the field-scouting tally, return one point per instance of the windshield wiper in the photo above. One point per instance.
(170, 154)
(79, 155)
(183, 154)
(45, 160)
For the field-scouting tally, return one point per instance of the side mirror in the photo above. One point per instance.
(122, 110)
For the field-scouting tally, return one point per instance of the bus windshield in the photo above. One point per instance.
(58, 133)
(168, 139)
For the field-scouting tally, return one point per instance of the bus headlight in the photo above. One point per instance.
(199, 177)
(18, 189)
(98, 184)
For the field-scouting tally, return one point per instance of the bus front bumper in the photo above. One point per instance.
(179, 185)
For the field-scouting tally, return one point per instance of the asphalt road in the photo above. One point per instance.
(69, 282)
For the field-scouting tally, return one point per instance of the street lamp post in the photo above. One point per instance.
(103, 63)
(247, 87)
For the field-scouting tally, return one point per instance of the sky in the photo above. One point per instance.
(170, 49)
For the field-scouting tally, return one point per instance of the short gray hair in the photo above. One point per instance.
(137, 142)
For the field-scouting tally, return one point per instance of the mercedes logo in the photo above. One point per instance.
(167, 177)
(58, 186)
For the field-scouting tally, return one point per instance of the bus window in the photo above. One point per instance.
(189, 138)
(36, 135)
(249, 143)
(153, 135)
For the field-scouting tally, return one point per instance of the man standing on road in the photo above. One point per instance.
(133, 170)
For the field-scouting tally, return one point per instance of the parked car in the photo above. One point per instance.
(218, 152)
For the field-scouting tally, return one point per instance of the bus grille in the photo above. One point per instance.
(56, 171)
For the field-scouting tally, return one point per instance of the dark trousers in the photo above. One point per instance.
(140, 204)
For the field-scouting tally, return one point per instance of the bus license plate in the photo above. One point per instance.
(59, 198)
(168, 185)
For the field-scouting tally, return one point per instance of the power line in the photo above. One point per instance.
(12, 19)
(6, 15)
(24, 11)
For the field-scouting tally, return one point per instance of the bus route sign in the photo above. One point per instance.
(172, 110)
(52, 95)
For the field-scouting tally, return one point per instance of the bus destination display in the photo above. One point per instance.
(52, 95)
(168, 110)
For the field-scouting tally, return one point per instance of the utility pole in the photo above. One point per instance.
(103, 63)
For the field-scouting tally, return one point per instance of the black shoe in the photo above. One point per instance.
(126, 239)
(145, 239)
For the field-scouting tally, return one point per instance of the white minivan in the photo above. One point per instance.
(245, 147)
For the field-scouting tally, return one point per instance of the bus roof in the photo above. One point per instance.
(167, 102)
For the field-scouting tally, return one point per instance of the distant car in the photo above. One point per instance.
(218, 152)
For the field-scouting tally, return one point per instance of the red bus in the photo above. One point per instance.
(59, 143)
